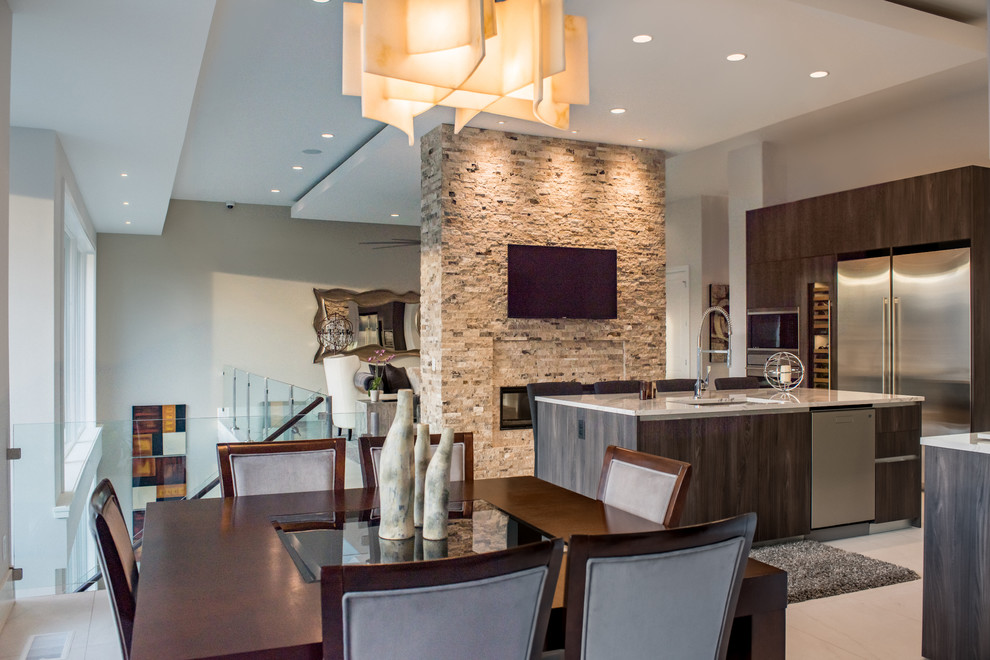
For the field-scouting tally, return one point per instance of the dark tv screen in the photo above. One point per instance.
(561, 282)
(774, 331)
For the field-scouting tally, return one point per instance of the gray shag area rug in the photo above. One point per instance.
(816, 570)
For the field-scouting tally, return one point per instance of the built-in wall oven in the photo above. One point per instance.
(769, 331)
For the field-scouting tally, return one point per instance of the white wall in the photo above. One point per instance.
(6, 586)
(683, 227)
(697, 237)
(39, 178)
(35, 358)
(226, 287)
(939, 134)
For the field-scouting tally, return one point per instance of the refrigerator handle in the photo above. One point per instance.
(883, 346)
(894, 305)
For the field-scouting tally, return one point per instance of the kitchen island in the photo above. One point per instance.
(957, 547)
(750, 450)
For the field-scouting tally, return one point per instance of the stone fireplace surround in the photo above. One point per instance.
(484, 189)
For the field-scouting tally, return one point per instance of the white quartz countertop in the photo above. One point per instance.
(679, 405)
(960, 441)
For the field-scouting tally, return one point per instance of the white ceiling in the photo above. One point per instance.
(116, 80)
(217, 101)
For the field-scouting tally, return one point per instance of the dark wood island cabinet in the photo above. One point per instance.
(745, 455)
(956, 596)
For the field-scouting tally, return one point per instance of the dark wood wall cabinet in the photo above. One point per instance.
(791, 245)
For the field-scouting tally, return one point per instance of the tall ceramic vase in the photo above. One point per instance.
(437, 489)
(395, 474)
(422, 458)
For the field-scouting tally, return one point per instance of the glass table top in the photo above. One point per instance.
(314, 540)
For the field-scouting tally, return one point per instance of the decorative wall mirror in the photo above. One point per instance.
(376, 319)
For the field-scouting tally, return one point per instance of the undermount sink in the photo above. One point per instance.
(760, 399)
(691, 401)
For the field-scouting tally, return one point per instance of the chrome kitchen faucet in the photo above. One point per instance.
(699, 385)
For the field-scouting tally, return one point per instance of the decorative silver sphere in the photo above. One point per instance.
(335, 333)
(784, 371)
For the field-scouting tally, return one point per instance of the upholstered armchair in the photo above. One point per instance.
(348, 378)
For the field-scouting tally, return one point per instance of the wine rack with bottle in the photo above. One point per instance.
(820, 340)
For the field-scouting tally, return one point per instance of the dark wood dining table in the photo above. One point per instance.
(217, 582)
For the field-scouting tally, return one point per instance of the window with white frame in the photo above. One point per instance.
(79, 327)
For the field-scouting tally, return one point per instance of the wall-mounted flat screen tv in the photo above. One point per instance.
(561, 282)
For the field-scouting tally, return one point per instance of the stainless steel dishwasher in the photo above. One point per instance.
(842, 471)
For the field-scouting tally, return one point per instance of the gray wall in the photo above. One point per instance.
(227, 287)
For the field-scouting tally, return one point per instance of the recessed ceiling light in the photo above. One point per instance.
(297, 167)
(123, 174)
(573, 131)
(642, 39)
(639, 139)
(327, 135)
(617, 111)
(395, 215)
(276, 190)
(127, 203)
(312, 152)
(501, 122)
(321, 1)
(736, 57)
(127, 222)
(818, 74)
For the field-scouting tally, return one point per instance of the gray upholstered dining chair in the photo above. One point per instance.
(491, 605)
(687, 578)
(737, 383)
(293, 466)
(117, 561)
(676, 385)
(461, 457)
(617, 387)
(651, 487)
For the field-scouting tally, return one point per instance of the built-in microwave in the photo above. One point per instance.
(769, 331)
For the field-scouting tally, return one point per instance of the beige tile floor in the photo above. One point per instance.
(880, 623)
(87, 616)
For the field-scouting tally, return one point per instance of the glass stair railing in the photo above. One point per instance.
(146, 460)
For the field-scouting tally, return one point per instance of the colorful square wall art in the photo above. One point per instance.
(158, 470)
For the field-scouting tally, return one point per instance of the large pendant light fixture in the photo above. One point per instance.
(517, 58)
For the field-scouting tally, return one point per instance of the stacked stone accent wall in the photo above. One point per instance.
(483, 190)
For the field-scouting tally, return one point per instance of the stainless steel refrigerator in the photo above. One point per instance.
(903, 327)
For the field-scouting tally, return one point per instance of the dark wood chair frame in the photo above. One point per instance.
(582, 547)
(617, 387)
(368, 442)
(676, 385)
(226, 449)
(115, 568)
(339, 580)
(679, 469)
(737, 383)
